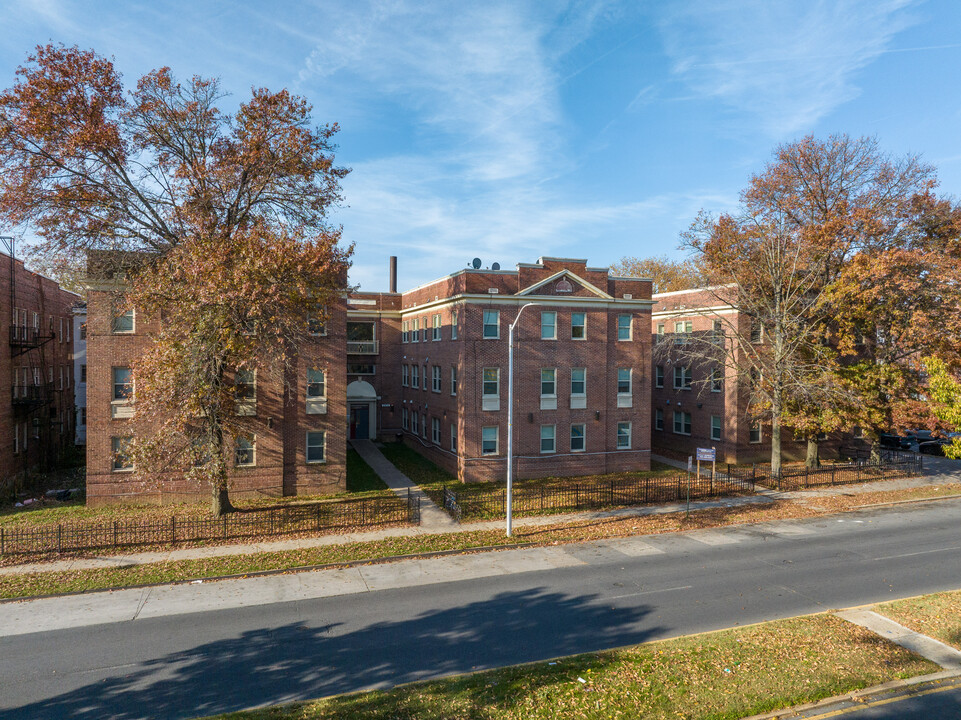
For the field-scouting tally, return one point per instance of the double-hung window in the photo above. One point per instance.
(453, 380)
(435, 430)
(122, 321)
(245, 451)
(548, 326)
(122, 396)
(435, 327)
(489, 441)
(120, 452)
(682, 331)
(548, 438)
(453, 437)
(623, 436)
(404, 418)
(435, 378)
(405, 331)
(717, 380)
(404, 375)
(659, 376)
(682, 422)
(316, 324)
(453, 324)
(754, 434)
(491, 324)
(414, 422)
(245, 392)
(316, 391)
(316, 447)
(715, 427)
(548, 388)
(415, 376)
(491, 398)
(658, 419)
(623, 327)
(578, 388)
(682, 377)
(625, 396)
(578, 326)
(578, 437)
(414, 330)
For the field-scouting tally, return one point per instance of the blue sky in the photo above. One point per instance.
(510, 130)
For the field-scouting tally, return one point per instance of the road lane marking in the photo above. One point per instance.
(650, 592)
(920, 552)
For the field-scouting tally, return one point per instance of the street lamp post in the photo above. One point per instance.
(510, 417)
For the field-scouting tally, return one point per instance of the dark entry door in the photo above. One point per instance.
(360, 422)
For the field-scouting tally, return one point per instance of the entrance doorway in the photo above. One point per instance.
(360, 422)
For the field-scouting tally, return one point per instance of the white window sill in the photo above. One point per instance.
(548, 402)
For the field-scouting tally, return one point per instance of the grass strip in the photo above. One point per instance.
(725, 674)
(361, 476)
(938, 615)
(35, 584)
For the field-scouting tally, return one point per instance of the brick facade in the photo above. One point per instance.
(37, 419)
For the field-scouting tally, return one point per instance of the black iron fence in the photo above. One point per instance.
(486, 501)
(846, 473)
(288, 520)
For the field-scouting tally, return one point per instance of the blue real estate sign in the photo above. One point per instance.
(706, 454)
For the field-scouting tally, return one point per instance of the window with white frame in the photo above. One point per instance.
(405, 331)
(435, 327)
(453, 437)
(624, 436)
(245, 392)
(757, 331)
(316, 449)
(682, 377)
(682, 331)
(489, 440)
(453, 380)
(658, 419)
(414, 422)
(121, 322)
(423, 426)
(316, 391)
(578, 326)
(245, 451)
(548, 438)
(415, 376)
(120, 454)
(659, 376)
(404, 418)
(682, 422)
(423, 332)
(492, 324)
(435, 378)
(715, 427)
(754, 434)
(415, 330)
(624, 327)
(425, 375)
(453, 324)
(578, 432)
(404, 376)
(435, 430)
(625, 396)
(122, 395)
(660, 333)
(578, 388)
(548, 326)
(548, 388)
(717, 332)
(490, 399)
(717, 380)
(317, 324)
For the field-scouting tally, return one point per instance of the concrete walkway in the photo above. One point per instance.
(927, 647)
(431, 516)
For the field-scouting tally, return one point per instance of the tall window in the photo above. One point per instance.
(659, 376)
(122, 322)
(548, 326)
(245, 451)
(717, 380)
(453, 437)
(122, 384)
(414, 329)
(577, 437)
(623, 327)
(715, 427)
(757, 331)
(414, 422)
(245, 392)
(435, 327)
(682, 331)
(548, 389)
(316, 448)
(578, 388)
(425, 375)
(492, 323)
(658, 419)
(316, 324)
(405, 331)
(489, 441)
(453, 324)
(623, 436)
(718, 332)
(754, 435)
(491, 395)
(404, 418)
(578, 326)
(435, 430)
(453, 380)
(682, 422)
(404, 375)
(682, 377)
(120, 452)
(660, 332)
(435, 378)
(548, 438)
(316, 391)
(423, 334)
(415, 376)
(361, 338)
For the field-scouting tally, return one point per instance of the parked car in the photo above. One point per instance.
(896, 442)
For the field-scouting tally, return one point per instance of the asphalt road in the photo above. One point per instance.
(609, 594)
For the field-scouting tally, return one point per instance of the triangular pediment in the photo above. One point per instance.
(563, 283)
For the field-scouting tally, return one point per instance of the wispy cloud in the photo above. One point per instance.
(786, 63)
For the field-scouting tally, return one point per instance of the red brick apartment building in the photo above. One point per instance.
(299, 446)
(429, 366)
(701, 403)
(37, 423)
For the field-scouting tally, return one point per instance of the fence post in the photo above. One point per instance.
(115, 533)
(59, 538)
(1, 541)
(612, 492)
(317, 519)
(225, 527)
(173, 529)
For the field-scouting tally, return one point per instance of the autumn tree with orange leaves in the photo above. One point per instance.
(667, 274)
(823, 214)
(220, 220)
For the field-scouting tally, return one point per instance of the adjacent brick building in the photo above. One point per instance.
(37, 419)
(430, 366)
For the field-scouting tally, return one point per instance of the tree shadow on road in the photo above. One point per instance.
(305, 659)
